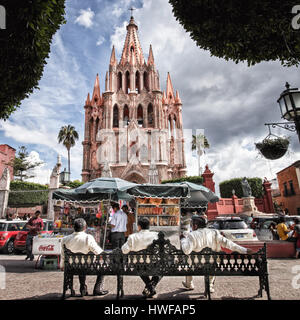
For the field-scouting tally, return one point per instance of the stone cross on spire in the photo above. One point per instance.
(132, 9)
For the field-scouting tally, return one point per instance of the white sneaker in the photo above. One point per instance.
(211, 289)
(188, 287)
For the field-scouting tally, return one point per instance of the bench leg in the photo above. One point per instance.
(207, 287)
(120, 291)
(68, 284)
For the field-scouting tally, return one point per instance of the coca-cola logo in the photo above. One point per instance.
(50, 247)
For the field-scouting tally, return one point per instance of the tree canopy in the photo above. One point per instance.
(25, 46)
(23, 166)
(248, 30)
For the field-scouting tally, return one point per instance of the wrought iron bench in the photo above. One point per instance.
(163, 259)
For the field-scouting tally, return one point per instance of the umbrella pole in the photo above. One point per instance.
(106, 222)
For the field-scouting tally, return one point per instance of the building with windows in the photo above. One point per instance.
(289, 187)
(7, 155)
(133, 127)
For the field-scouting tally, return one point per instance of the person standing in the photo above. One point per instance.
(35, 226)
(202, 237)
(130, 221)
(283, 231)
(118, 223)
(140, 241)
(80, 241)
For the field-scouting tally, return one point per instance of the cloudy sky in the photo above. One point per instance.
(230, 102)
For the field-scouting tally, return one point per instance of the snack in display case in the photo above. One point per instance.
(171, 201)
(153, 221)
(155, 201)
(142, 200)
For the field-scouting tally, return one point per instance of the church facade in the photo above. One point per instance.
(133, 130)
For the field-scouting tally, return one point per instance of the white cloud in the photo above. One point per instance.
(85, 18)
(100, 41)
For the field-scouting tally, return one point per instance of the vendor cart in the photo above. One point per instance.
(161, 204)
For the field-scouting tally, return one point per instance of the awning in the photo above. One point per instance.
(159, 191)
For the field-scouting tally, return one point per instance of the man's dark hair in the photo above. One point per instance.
(199, 221)
(144, 223)
(116, 205)
(125, 207)
(281, 219)
(37, 213)
(79, 224)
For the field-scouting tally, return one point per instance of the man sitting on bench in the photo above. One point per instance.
(80, 242)
(202, 237)
(140, 241)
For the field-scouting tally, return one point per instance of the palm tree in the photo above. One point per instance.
(67, 136)
(199, 143)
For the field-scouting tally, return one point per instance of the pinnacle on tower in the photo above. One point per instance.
(177, 98)
(113, 60)
(96, 92)
(132, 45)
(170, 90)
(150, 57)
(88, 100)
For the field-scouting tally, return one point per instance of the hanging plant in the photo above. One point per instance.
(273, 147)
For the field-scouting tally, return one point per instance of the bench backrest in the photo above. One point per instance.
(162, 258)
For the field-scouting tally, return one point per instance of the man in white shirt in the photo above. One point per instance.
(118, 223)
(84, 243)
(140, 241)
(202, 237)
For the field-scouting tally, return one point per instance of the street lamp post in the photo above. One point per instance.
(64, 177)
(289, 103)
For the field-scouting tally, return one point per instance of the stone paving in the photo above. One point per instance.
(24, 282)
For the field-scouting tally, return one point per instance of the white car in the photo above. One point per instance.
(233, 228)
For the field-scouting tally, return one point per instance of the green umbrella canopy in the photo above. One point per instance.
(149, 190)
(97, 190)
(199, 193)
(105, 185)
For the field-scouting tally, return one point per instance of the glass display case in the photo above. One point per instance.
(164, 214)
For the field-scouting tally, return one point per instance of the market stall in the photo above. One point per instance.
(94, 198)
(161, 204)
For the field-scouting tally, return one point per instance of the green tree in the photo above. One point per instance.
(248, 30)
(23, 166)
(25, 46)
(200, 143)
(67, 136)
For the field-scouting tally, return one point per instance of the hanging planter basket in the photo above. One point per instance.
(273, 148)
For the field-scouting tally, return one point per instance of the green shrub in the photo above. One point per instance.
(75, 184)
(23, 186)
(227, 186)
(193, 179)
(17, 198)
(27, 199)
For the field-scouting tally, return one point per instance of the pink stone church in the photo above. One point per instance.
(133, 130)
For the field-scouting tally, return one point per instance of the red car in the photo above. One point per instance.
(20, 239)
(8, 232)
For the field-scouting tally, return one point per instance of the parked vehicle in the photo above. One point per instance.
(8, 232)
(20, 239)
(233, 228)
